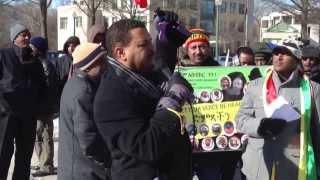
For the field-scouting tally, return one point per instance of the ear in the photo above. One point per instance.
(119, 53)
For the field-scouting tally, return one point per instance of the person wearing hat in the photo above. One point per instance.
(198, 50)
(82, 154)
(310, 61)
(281, 147)
(262, 58)
(48, 107)
(22, 84)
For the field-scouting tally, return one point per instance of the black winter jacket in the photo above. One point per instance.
(21, 83)
(82, 154)
(144, 143)
(62, 66)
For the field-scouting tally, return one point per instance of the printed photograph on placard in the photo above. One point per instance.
(218, 92)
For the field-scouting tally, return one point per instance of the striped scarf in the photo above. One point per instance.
(135, 79)
(307, 165)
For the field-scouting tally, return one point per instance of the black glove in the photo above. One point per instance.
(271, 127)
(178, 91)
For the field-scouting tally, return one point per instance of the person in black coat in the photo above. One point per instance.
(22, 84)
(63, 64)
(82, 153)
(44, 146)
(140, 123)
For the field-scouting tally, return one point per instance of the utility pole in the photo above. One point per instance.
(246, 24)
(217, 4)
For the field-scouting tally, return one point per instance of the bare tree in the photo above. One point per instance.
(43, 5)
(301, 9)
(89, 8)
(126, 9)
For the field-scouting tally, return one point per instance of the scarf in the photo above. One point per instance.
(307, 165)
(136, 80)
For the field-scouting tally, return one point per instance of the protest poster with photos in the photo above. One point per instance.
(211, 117)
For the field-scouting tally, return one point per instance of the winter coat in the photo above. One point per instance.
(50, 103)
(261, 152)
(82, 154)
(21, 83)
(62, 66)
(144, 143)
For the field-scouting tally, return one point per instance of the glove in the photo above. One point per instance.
(169, 30)
(177, 92)
(271, 127)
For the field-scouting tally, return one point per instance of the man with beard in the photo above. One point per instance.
(198, 50)
(139, 122)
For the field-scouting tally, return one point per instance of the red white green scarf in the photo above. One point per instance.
(307, 165)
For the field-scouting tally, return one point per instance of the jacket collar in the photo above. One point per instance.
(292, 81)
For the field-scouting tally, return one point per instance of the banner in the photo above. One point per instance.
(211, 116)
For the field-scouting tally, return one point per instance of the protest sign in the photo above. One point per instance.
(218, 92)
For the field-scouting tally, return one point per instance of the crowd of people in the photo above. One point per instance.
(119, 104)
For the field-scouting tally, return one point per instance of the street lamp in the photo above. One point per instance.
(74, 15)
(217, 4)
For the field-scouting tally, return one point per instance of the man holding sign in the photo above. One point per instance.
(280, 145)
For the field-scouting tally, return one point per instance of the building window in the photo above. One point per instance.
(171, 3)
(193, 5)
(264, 24)
(123, 3)
(206, 9)
(182, 3)
(233, 7)
(114, 4)
(78, 21)
(63, 22)
(241, 8)
(192, 22)
(287, 19)
(223, 7)
(207, 26)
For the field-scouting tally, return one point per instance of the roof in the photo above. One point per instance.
(282, 27)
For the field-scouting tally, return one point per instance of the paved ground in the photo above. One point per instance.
(34, 160)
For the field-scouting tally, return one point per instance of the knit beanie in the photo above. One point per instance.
(15, 30)
(311, 51)
(197, 35)
(86, 54)
(40, 43)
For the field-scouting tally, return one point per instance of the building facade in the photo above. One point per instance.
(278, 26)
(72, 21)
(193, 13)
